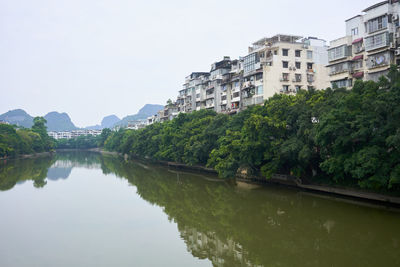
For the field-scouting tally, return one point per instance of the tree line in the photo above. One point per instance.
(17, 141)
(334, 136)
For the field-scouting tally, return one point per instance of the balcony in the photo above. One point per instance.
(377, 41)
(248, 84)
(253, 101)
(210, 96)
(235, 99)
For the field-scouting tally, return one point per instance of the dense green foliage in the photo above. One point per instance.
(349, 137)
(15, 142)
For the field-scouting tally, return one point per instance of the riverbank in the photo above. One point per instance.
(280, 179)
(27, 156)
(292, 181)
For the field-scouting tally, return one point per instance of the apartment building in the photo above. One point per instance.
(216, 90)
(252, 92)
(285, 64)
(369, 47)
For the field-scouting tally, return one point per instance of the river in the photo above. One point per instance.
(88, 209)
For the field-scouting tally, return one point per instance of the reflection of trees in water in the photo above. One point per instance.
(21, 170)
(267, 226)
(54, 167)
(233, 226)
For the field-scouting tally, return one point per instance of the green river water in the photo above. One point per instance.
(88, 209)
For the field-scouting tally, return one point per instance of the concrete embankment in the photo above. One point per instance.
(280, 179)
(293, 181)
(26, 156)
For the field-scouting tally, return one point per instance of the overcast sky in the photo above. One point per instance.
(94, 58)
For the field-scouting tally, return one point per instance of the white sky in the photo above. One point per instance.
(94, 58)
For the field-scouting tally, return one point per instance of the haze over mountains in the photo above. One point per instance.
(62, 122)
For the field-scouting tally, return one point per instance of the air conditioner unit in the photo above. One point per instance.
(396, 35)
(392, 45)
(397, 52)
(395, 17)
(290, 68)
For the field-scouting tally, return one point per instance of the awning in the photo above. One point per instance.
(358, 74)
(357, 57)
(357, 40)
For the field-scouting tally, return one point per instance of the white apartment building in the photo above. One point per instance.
(369, 47)
(286, 64)
(73, 134)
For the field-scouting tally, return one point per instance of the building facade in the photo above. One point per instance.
(371, 44)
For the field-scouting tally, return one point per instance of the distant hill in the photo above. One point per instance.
(18, 117)
(109, 121)
(146, 111)
(59, 122)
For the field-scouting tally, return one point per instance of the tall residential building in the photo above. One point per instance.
(287, 63)
(215, 96)
(369, 47)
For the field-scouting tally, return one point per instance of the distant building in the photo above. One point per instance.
(72, 134)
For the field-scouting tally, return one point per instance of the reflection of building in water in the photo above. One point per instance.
(70, 164)
(221, 253)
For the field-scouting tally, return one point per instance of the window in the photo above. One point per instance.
(357, 64)
(376, 41)
(259, 76)
(297, 77)
(310, 78)
(378, 60)
(285, 64)
(285, 88)
(377, 24)
(339, 68)
(275, 52)
(309, 66)
(342, 83)
(358, 47)
(236, 84)
(223, 97)
(285, 77)
(337, 52)
(285, 52)
(298, 88)
(297, 53)
(236, 94)
(354, 31)
(298, 65)
(259, 90)
(249, 62)
(309, 54)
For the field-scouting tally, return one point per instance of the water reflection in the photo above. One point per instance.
(240, 225)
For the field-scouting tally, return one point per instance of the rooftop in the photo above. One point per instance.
(377, 5)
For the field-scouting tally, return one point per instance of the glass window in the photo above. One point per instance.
(297, 77)
(337, 52)
(297, 53)
(285, 52)
(376, 41)
(378, 60)
(285, 76)
(377, 24)
(354, 31)
(259, 90)
(285, 64)
(298, 65)
(285, 88)
(309, 54)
